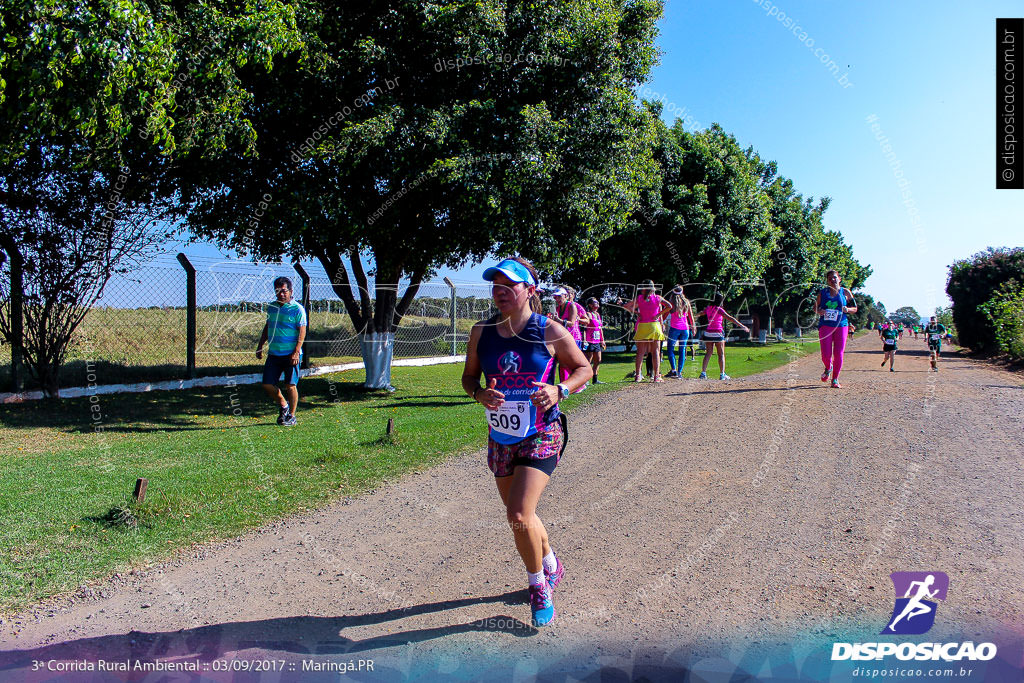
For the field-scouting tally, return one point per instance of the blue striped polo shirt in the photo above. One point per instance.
(283, 323)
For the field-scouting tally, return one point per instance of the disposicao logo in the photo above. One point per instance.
(914, 614)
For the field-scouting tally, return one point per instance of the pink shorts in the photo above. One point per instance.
(541, 451)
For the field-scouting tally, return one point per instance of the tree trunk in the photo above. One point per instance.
(375, 319)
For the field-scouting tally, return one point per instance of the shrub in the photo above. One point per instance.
(1005, 312)
(973, 282)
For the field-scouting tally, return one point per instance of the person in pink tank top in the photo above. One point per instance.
(567, 313)
(650, 309)
(593, 336)
(680, 322)
(714, 335)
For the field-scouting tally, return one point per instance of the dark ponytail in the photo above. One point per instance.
(535, 304)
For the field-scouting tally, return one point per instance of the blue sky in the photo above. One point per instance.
(926, 72)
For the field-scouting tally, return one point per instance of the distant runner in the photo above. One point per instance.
(567, 314)
(935, 332)
(834, 302)
(515, 350)
(890, 334)
(593, 336)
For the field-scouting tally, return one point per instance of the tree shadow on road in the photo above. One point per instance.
(301, 635)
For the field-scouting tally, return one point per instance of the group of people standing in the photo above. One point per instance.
(651, 309)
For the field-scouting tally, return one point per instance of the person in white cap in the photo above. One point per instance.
(515, 350)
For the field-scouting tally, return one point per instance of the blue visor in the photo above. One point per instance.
(513, 270)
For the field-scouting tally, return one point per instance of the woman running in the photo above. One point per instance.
(593, 336)
(833, 325)
(515, 350)
(890, 335)
(680, 323)
(650, 309)
(714, 335)
(582, 320)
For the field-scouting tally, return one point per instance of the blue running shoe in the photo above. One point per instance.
(554, 577)
(540, 604)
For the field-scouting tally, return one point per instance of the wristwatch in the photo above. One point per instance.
(563, 391)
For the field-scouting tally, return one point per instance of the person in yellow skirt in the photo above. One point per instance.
(650, 309)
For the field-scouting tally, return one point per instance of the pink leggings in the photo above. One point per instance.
(833, 343)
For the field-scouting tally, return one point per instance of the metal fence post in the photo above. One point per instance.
(17, 314)
(451, 286)
(304, 276)
(190, 316)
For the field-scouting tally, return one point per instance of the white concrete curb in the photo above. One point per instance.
(214, 381)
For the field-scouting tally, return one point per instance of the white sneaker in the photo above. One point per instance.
(724, 376)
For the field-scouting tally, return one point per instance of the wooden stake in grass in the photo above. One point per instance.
(391, 426)
(140, 489)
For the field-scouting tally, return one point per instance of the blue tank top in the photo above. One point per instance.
(833, 305)
(516, 362)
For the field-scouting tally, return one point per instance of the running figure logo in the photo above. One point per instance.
(914, 612)
(510, 363)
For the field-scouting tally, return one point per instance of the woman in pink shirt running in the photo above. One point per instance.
(593, 335)
(714, 335)
(650, 309)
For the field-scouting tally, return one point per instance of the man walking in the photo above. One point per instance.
(285, 330)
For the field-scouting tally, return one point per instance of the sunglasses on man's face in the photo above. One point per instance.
(281, 289)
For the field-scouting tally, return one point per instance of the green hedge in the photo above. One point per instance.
(972, 284)
(1005, 312)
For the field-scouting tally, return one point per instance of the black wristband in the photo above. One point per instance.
(476, 390)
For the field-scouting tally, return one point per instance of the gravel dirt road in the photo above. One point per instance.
(689, 515)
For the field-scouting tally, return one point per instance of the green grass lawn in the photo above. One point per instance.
(217, 464)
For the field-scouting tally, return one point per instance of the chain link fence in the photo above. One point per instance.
(138, 331)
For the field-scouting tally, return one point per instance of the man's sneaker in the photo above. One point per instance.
(541, 605)
(724, 376)
(289, 420)
(597, 381)
(883, 363)
(556, 576)
(282, 413)
(824, 375)
(703, 375)
(836, 384)
(891, 370)
(671, 374)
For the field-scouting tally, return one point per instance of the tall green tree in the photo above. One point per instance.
(421, 135)
(97, 99)
(907, 315)
(720, 214)
(704, 219)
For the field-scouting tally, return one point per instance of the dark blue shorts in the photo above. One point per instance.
(279, 368)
